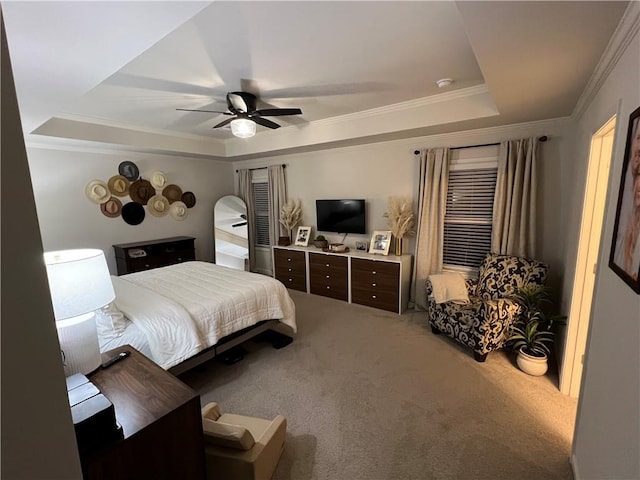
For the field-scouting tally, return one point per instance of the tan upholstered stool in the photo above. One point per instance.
(239, 447)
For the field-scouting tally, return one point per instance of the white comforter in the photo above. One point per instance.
(188, 307)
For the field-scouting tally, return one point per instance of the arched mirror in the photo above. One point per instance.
(231, 233)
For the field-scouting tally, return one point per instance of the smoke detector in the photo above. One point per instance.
(445, 82)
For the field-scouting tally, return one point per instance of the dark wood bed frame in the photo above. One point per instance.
(225, 344)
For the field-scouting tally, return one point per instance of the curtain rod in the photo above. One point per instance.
(262, 168)
(540, 139)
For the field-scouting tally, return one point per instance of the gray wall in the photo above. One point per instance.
(68, 219)
(607, 434)
(38, 441)
(379, 170)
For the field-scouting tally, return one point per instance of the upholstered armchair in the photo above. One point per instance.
(239, 447)
(484, 323)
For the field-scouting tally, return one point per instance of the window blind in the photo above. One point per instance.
(261, 210)
(468, 217)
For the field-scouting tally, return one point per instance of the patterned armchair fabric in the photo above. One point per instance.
(483, 324)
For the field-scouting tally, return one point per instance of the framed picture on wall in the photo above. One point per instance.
(302, 237)
(625, 244)
(380, 242)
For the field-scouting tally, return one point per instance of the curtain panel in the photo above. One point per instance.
(277, 198)
(245, 192)
(514, 206)
(432, 198)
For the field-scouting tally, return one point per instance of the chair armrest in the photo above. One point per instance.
(472, 286)
(211, 411)
(496, 319)
(270, 442)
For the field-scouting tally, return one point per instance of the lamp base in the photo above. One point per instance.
(78, 339)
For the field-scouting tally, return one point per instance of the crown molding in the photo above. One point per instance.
(86, 146)
(625, 32)
(136, 128)
(395, 107)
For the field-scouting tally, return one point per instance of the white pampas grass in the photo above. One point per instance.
(400, 215)
(291, 215)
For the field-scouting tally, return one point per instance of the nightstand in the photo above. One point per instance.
(160, 418)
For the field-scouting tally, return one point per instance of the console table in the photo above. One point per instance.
(137, 256)
(161, 421)
(356, 277)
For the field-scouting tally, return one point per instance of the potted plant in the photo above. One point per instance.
(321, 242)
(532, 336)
(290, 216)
(400, 218)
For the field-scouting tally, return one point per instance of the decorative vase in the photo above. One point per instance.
(284, 241)
(536, 366)
(398, 246)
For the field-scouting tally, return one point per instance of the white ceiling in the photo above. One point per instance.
(115, 72)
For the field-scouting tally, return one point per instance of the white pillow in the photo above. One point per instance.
(110, 321)
(449, 287)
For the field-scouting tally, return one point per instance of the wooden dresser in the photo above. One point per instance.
(161, 422)
(374, 280)
(290, 267)
(328, 275)
(138, 256)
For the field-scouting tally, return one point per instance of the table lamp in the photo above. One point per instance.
(80, 283)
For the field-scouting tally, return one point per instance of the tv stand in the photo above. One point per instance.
(377, 281)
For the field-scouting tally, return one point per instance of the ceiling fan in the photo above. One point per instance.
(242, 107)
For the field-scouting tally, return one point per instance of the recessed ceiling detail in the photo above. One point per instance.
(114, 73)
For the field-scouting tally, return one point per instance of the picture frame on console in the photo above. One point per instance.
(362, 246)
(624, 258)
(380, 242)
(302, 237)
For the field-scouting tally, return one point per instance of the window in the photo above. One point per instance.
(469, 208)
(260, 187)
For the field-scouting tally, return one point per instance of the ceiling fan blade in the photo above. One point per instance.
(278, 112)
(224, 123)
(264, 122)
(241, 102)
(205, 111)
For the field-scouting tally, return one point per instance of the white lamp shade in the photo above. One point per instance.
(243, 127)
(79, 281)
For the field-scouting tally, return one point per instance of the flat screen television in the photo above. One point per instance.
(340, 216)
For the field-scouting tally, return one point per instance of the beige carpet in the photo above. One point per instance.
(369, 395)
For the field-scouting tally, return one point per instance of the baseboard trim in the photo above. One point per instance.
(573, 461)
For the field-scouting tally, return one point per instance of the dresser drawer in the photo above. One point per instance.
(290, 268)
(295, 281)
(287, 258)
(384, 299)
(329, 275)
(375, 267)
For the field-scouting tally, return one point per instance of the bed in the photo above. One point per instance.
(184, 314)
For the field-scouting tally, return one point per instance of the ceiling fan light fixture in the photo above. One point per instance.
(243, 127)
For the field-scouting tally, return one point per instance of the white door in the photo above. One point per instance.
(586, 263)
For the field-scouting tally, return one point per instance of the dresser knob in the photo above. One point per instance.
(146, 265)
(327, 265)
(373, 273)
(328, 287)
(289, 269)
(373, 284)
(179, 259)
(291, 279)
(328, 276)
(374, 297)
(288, 259)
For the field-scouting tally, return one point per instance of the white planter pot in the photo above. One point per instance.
(536, 366)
